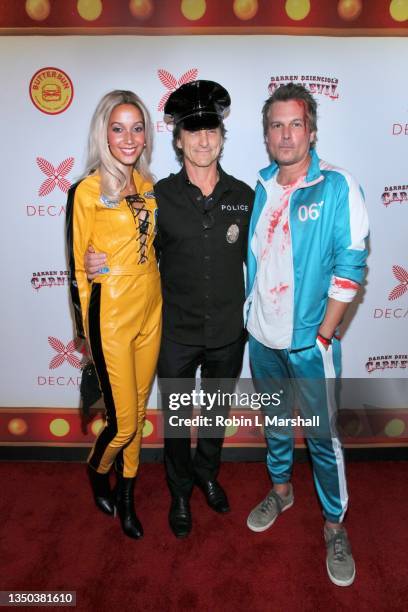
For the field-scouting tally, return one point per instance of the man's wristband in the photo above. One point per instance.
(324, 340)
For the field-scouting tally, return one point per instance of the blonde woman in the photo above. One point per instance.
(113, 209)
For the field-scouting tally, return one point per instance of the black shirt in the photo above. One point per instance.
(201, 243)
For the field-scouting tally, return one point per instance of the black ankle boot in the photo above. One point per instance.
(101, 491)
(125, 504)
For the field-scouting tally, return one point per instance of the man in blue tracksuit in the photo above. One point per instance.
(306, 261)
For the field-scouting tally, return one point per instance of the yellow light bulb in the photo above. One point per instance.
(349, 9)
(89, 9)
(352, 427)
(245, 9)
(297, 9)
(17, 427)
(141, 9)
(193, 9)
(147, 429)
(59, 427)
(96, 426)
(231, 430)
(38, 9)
(399, 10)
(394, 428)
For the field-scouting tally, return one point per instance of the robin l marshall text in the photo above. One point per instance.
(241, 421)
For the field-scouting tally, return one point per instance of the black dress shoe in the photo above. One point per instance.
(180, 517)
(101, 491)
(215, 495)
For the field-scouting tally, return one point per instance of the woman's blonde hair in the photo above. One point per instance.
(113, 179)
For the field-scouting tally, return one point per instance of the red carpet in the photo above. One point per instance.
(52, 538)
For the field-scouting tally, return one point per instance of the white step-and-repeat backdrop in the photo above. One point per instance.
(50, 87)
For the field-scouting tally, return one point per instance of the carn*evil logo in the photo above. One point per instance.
(55, 176)
(317, 85)
(64, 353)
(171, 83)
(402, 276)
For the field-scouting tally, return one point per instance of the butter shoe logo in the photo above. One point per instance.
(171, 83)
(64, 353)
(401, 275)
(55, 176)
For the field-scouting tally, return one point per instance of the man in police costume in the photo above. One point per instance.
(202, 229)
(202, 236)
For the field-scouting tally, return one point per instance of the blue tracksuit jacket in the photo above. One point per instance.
(328, 226)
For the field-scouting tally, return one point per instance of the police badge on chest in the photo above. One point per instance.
(232, 233)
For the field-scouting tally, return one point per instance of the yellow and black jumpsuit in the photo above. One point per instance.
(119, 312)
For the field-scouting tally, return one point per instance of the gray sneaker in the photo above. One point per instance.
(266, 513)
(339, 561)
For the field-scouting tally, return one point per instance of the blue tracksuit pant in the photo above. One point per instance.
(313, 394)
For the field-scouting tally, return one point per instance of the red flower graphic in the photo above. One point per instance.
(64, 353)
(172, 83)
(402, 275)
(55, 175)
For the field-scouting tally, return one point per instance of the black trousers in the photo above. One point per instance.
(180, 361)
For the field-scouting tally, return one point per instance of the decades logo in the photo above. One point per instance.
(385, 362)
(51, 278)
(394, 194)
(401, 275)
(171, 83)
(63, 353)
(317, 85)
(399, 129)
(55, 178)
